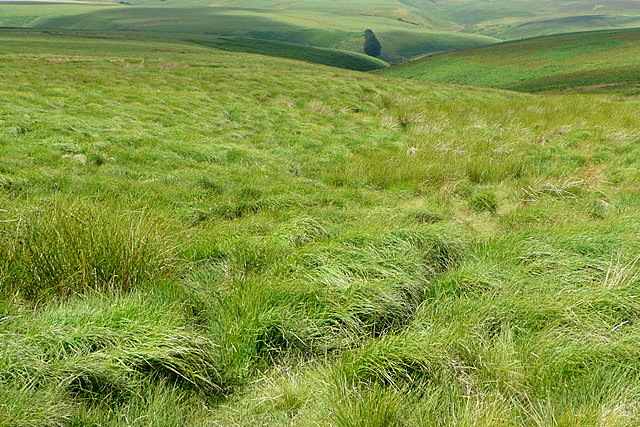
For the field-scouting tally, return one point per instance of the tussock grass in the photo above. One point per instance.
(423, 254)
(484, 201)
(59, 251)
(102, 351)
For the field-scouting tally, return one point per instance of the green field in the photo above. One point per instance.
(504, 19)
(594, 61)
(400, 40)
(196, 237)
(62, 16)
(564, 24)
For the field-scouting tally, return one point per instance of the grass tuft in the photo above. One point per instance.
(59, 251)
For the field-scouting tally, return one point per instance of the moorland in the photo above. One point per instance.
(244, 240)
(594, 61)
(210, 214)
(407, 28)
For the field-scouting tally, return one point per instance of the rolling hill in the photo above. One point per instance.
(516, 19)
(407, 29)
(403, 33)
(190, 236)
(331, 57)
(600, 60)
(504, 19)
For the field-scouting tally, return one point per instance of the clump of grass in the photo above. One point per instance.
(103, 351)
(58, 251)
(12, 185)
(398, 113)
(248, 193)
(374, 285)
(158, 403)
(303, 231)
(423, 215)
(394, 361)
(289, 392)
(375, 406)
(316, 106)
(97, 159)
(208, 184)
(484, 201)
(25, 406)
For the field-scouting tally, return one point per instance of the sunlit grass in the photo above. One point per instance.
(192, 238)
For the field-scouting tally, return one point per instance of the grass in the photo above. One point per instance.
(601, 60)
(565, 24)
(403, 33)
(334, 58)
(28, 15)
(517, 19)
(55, 251)
(407, 28)
(244, 240)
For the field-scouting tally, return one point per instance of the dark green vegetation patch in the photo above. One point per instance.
(334, 58)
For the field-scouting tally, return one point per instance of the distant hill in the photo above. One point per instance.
(407, 29)
(396, 19)
(317, 55)
(516, 19)
(403, 32)
(600, 60)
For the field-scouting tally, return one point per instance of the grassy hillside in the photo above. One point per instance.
(61, 16)
(601, 60)
(403, 33)
(30, 15)
(334, 58)
(515, 19)
(407, 28)
(564, 24)
(192, 237)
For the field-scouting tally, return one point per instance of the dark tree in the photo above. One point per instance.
(372, 46)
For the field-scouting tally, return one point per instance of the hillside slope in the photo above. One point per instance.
(402, 33)
(409, 27)
(516, 19)
(331, 57)
(196, 237)
(577, 61)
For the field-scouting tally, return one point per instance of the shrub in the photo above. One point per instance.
(372, 46)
